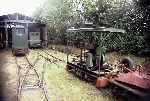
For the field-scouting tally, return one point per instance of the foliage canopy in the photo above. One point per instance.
(131, 15)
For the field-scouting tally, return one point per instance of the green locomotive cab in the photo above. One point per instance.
(19, 40)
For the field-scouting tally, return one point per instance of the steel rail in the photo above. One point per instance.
(46, 51)
(20, 82)
(47, 59)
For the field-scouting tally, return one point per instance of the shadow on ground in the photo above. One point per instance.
(3, 76)
(6, 93)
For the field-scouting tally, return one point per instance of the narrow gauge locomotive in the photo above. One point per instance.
(90, 65)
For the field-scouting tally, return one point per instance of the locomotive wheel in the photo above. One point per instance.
(82, 75)
(13, 52)
(86, 77)
(128, 62)
(77, 72)
(68, 68)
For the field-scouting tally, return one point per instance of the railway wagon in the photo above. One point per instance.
(37, 35)
(19, 40)
(34, 39)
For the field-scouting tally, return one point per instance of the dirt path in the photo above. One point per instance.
(8, 74)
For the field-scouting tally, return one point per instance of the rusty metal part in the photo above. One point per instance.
(135, 78)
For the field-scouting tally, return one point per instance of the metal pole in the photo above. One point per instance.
(100, 53)
(67, 52)
(67, 48)
(6, 31)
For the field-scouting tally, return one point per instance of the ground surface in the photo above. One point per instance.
(61, 85)
(8, 76)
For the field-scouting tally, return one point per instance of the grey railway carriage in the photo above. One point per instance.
(19, 40)
(37, 35)
(34, 39)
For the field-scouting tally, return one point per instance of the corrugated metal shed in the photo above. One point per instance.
(32, 25)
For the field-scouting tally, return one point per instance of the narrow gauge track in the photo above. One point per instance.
(47, 52)
(31, 66)
(28, 66)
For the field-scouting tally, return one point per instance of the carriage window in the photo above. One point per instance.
(20, 31)
(37, 34)
(32, 34)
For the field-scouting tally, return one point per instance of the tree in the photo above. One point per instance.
(131, 15)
